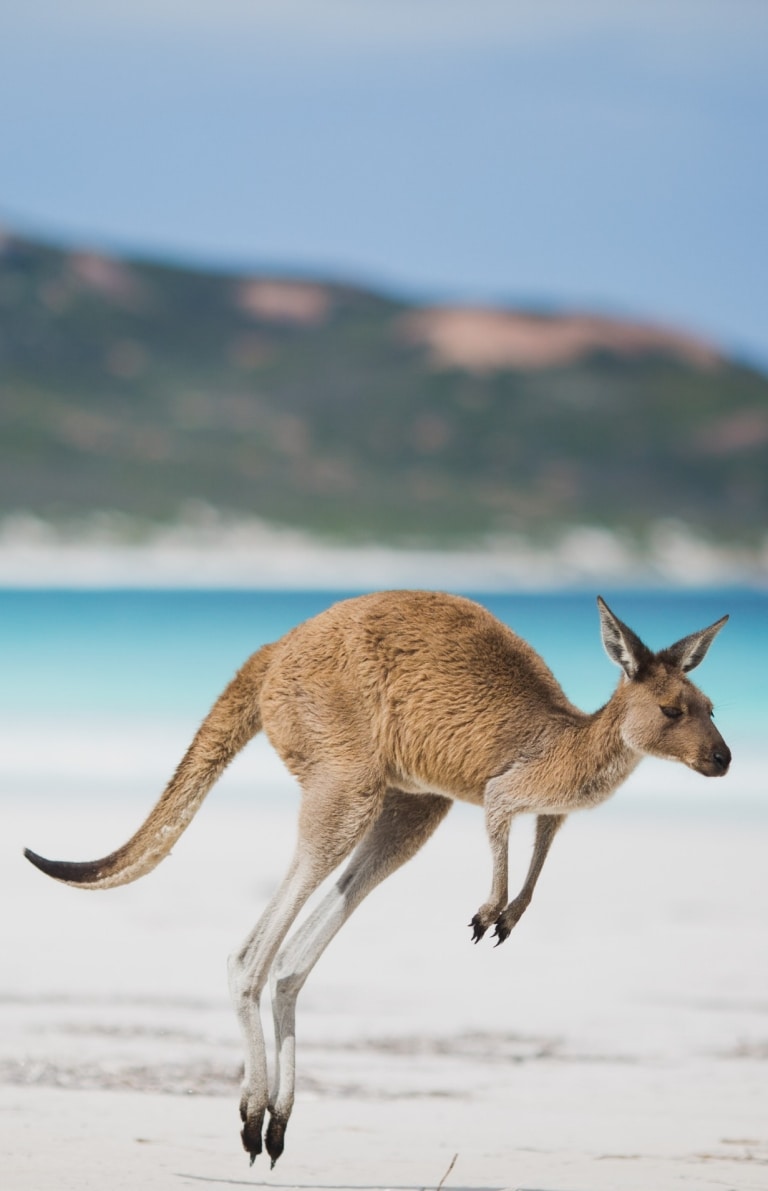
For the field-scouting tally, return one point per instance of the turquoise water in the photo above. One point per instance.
(172, 651)
(86, 659)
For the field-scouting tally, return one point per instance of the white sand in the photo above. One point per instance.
(206, 550)
(618, 1040)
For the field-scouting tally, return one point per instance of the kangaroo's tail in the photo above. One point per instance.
(232, 721)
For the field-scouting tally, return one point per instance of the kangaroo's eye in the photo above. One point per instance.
(672, 713)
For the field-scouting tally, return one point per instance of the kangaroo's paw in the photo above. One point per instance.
(275, 1138)
(253, 1123)
(478, 928)
(485, 916)
(501, 932)
(508, 919)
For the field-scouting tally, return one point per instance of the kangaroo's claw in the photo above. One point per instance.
(478, 930)
(500, 932)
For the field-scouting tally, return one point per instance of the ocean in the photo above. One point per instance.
(101, 690)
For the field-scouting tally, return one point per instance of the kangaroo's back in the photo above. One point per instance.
(431, 683)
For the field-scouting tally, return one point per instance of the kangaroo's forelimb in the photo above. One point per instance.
(495, 910)
(547, 827)
(499, 812)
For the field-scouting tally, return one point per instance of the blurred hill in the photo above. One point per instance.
(137, 388)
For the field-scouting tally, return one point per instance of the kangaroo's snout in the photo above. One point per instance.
(715, 761)
(722, 759)
(721, 756)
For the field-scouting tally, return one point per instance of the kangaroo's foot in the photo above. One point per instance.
(509, 918)
(253, 1123)
(275, 1136)
(485, 916)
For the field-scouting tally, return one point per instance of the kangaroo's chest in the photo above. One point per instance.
(559, 784)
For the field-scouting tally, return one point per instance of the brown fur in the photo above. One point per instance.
(387, 707)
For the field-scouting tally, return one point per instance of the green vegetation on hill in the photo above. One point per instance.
(138, 388)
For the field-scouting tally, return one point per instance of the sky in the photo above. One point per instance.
(557, 153)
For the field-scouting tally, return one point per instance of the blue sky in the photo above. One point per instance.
(559, 152)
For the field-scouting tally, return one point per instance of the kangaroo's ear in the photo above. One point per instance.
(622, 645)
(689, 651)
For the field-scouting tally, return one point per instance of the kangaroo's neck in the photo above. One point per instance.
(588, 759)
(598, 754)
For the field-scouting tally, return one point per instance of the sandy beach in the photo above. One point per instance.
(618, 1040)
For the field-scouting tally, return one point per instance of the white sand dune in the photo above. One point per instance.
(618, 1040)
(208, 551)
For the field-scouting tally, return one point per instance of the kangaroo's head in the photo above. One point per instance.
(663, 713)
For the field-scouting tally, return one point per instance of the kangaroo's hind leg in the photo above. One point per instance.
(331, 822)
(405, 823)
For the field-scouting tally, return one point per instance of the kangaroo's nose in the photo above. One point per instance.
(722, 757)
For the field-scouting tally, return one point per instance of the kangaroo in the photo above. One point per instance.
(386, 708)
